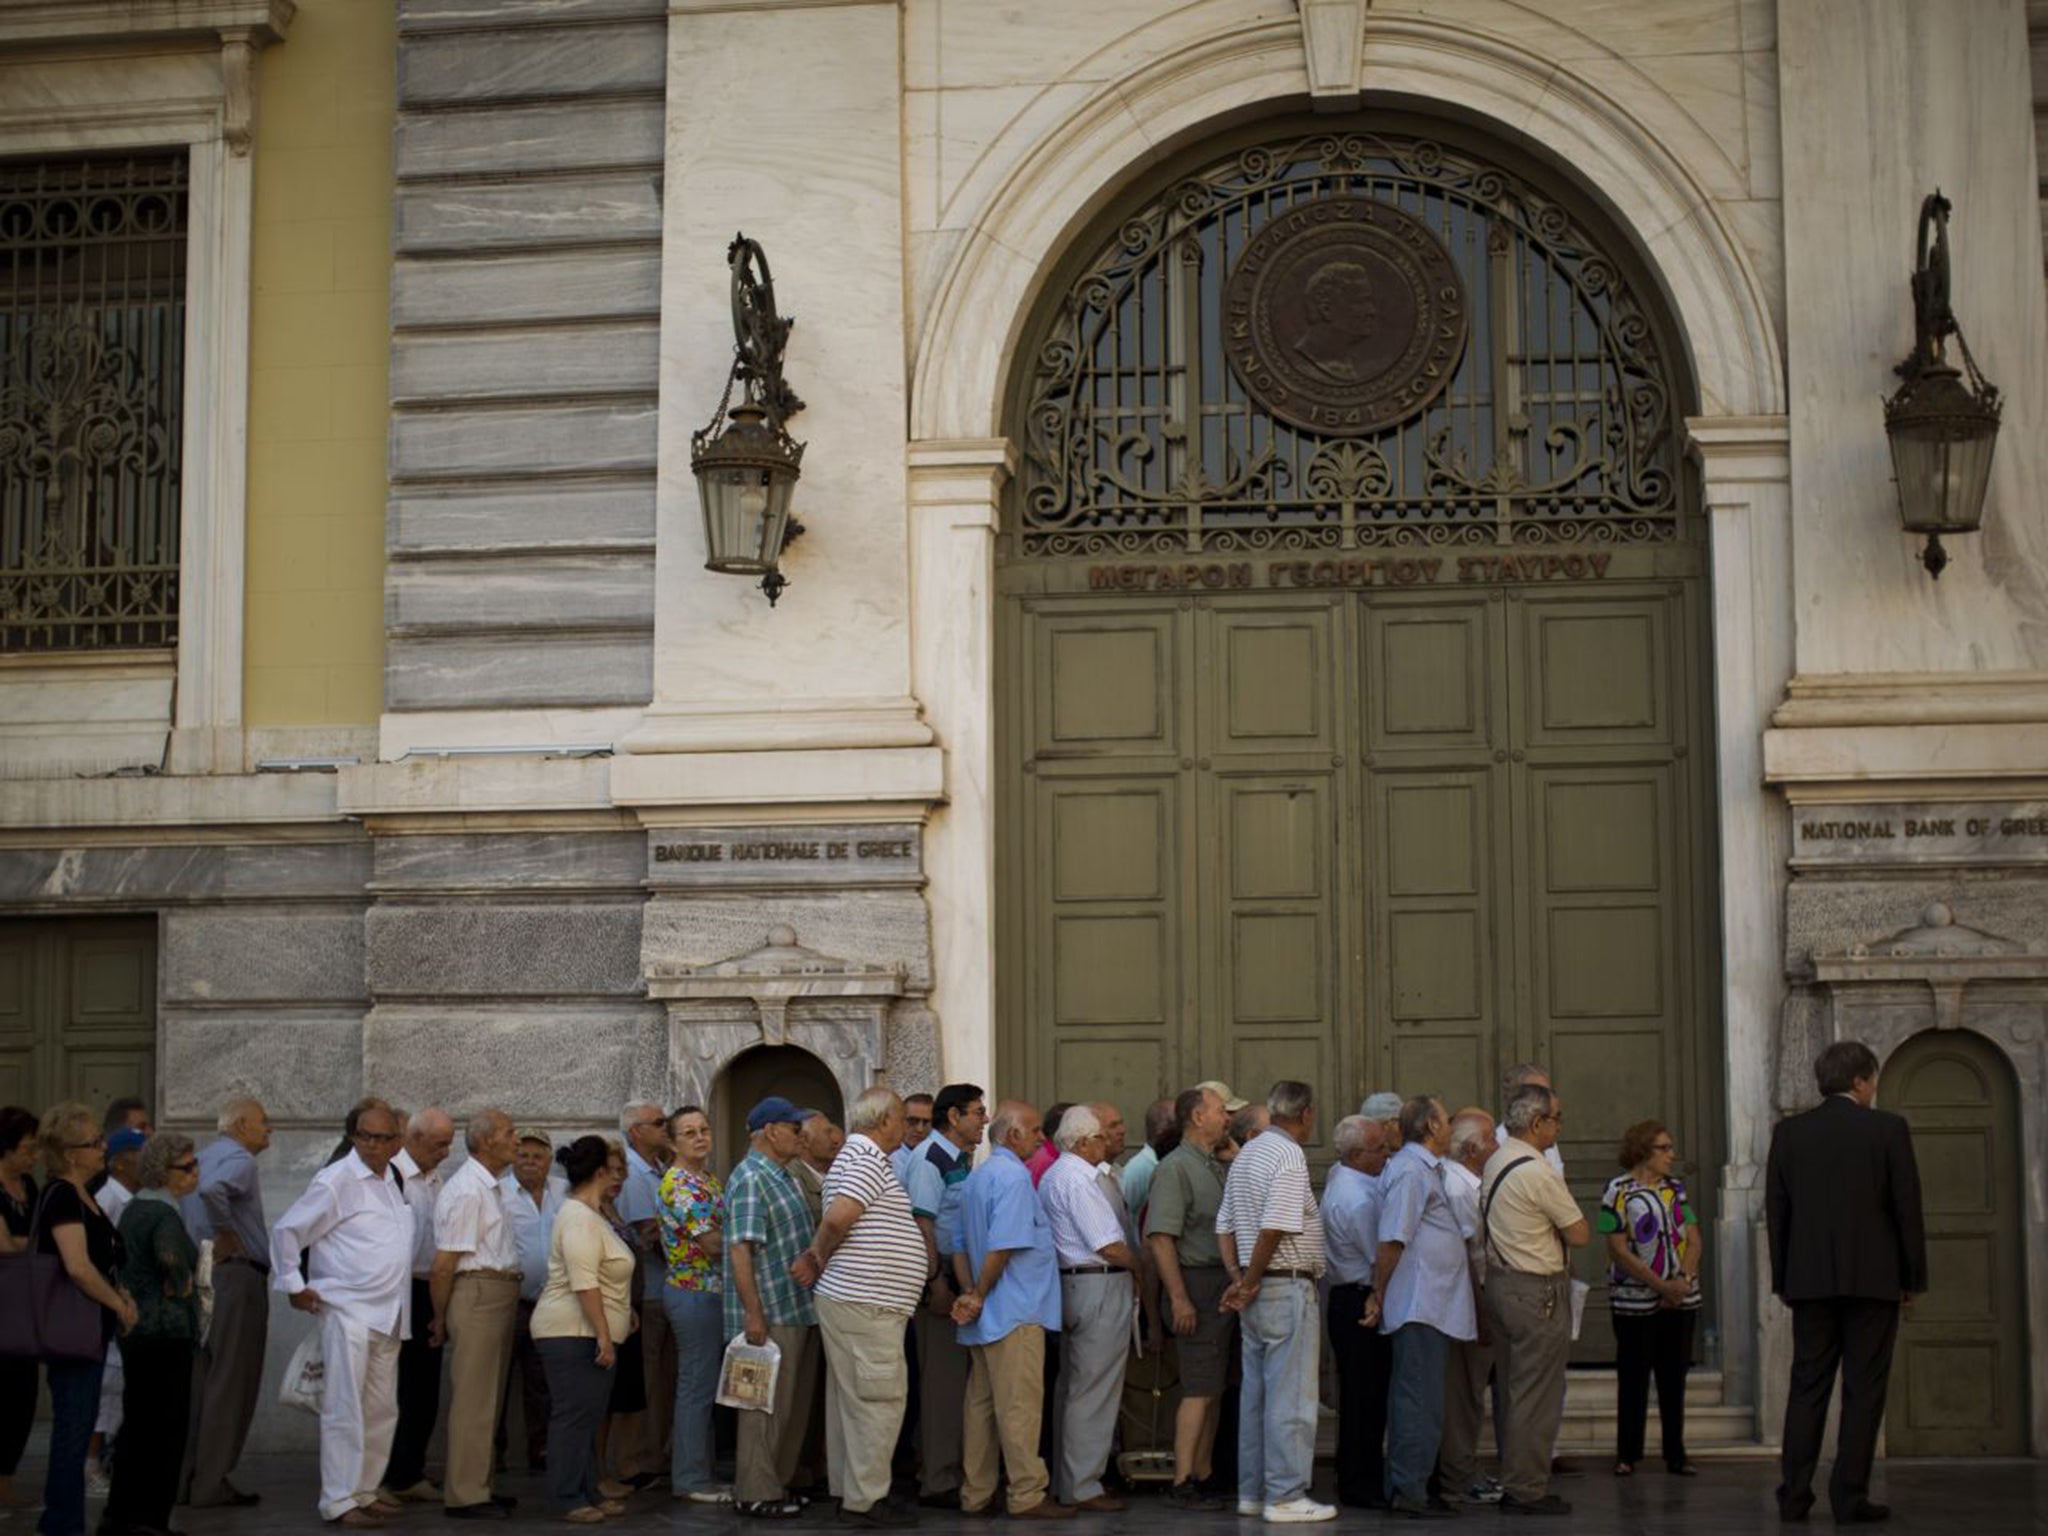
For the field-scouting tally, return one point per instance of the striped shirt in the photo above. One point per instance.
(881, 1260)
(1268, 1189)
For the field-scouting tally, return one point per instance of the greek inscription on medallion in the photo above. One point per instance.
(1344, 315)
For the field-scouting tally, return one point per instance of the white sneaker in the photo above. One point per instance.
(710, 1495)
(1250, 1507)
(1302, 1511)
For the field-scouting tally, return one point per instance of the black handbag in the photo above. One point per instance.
(43, 1313)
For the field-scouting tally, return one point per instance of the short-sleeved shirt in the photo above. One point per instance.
(1525, 1211)
(764, 1208)
(63, 1206)
(1351, 1223)
(421, 1191)
(1657, 1219)
(881, 1260)
(1186, 1192)
(584, 1254)
(1083, 1221)
(1136, 1178)
(470, 1219)
(999, 1211)
(1432, 1283)
(942, 1169)
(692, 1206)
(1268, 1189)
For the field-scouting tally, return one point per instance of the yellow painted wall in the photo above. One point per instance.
(319, 358)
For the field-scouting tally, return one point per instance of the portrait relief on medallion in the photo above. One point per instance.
(1344, 316)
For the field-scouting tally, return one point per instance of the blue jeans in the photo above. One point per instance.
(1276, 1408)
(74, 1404)
(1415, 1410)
(697, 1319)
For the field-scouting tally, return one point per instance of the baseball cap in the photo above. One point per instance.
(774, 1110)
(531, 1134)
(127, 1139)
(1222, 1091)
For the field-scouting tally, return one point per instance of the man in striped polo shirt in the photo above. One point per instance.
(1273, 1251)
(868, 1265)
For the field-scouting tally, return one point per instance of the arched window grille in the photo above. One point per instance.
(1558, 425)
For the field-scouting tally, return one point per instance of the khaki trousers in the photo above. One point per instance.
(1005, 1391)
(482, 1311)
(769, 1442)
(1531, 1320)
(942, 1383)
(866, 1388)
(1465, 1371)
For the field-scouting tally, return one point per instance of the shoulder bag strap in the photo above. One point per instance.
(1486, 1205)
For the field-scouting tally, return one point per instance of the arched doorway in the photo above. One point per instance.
(1959, 1380)
(1353, 695)
(751, 1076)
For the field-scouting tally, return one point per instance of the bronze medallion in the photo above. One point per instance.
(1344, 315)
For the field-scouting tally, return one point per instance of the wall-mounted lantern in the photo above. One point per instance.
(746, 472)
(1942, 424)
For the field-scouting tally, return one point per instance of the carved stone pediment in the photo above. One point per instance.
(1946, 956)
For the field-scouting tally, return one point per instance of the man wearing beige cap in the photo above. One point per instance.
(533, 1193)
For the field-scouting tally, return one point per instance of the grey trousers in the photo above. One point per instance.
(227, 1380)
(1095, 1341)
(942, 1385)
(770, 1443)
(1531, 1321)
(1465, 1373)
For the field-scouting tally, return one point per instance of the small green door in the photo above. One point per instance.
(77, 1011)
(1959, 1378)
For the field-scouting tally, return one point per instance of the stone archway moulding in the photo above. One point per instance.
(972, 329)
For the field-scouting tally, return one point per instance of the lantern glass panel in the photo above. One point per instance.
(1943, 474)
(746, 509)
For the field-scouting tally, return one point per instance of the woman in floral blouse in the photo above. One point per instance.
(692, 1214)
(1653, 1239)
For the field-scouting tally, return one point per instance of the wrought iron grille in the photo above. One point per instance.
(1557, 425)
(92, 339)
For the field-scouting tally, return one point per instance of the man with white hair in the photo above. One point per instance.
(428, 1136)
(1365, 1356)
(360, 1233)
(867, 1264)
(475, 1287)
(1273, 1249)
(1471, 1361)
(1097, 1291)
(641, 1439)
(228, 1208)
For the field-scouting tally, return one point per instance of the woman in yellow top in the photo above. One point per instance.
(582, 1315)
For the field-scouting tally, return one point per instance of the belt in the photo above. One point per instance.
(258, 1265)
(1088, 1269)
(489, 1274)
(1289, 1274)
(1353, 1285)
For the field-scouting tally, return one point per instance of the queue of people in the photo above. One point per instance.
(953, 1324)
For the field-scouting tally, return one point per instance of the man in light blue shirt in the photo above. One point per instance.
(1365, 1356)
(1004, 1265)
(1422, 1298)
(228, 1207)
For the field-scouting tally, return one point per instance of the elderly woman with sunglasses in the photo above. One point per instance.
(1653, 1243)
(73, 1229)
(158, 1269)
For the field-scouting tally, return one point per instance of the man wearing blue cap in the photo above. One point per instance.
(767, 1225)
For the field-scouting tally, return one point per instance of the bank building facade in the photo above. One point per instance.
(1356, 540)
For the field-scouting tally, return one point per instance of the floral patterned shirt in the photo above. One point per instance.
(1658, 1221)
(690, 1206)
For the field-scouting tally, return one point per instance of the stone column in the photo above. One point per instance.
(1746, 474)
(955, 501)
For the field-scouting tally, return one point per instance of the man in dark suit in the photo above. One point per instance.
(1842, 1198)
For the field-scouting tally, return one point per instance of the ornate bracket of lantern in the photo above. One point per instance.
(744, 459)
(1942, 422)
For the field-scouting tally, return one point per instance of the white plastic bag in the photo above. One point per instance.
(746, 1380)
(305, 1375)
(1580, 1291)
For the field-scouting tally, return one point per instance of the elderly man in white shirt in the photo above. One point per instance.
(476, 1305)
(360, 1231)
(1365, 1358)
(1423, 1297)
(1097, 1294)
(1471, 1362)
(428, 1136)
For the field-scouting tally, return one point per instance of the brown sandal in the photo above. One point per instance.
(1624, 1469)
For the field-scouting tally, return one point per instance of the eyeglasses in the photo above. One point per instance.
(1664, 1146)
(377, 1136)
(191, 1165)
(85, 1146)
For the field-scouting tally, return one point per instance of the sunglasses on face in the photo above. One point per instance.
(377, 1136)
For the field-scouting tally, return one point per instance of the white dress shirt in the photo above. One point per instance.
(1462, 1185)
(532, 1226)
(420, 1190)
(470, 1219)
(1351, 1225)
(360, 1231)
(1432, 1283)
(1079, 1212)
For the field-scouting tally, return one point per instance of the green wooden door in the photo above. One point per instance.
(1959, 1378)
(77, 1011)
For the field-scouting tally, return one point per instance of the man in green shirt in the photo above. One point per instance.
(1180, 1232)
